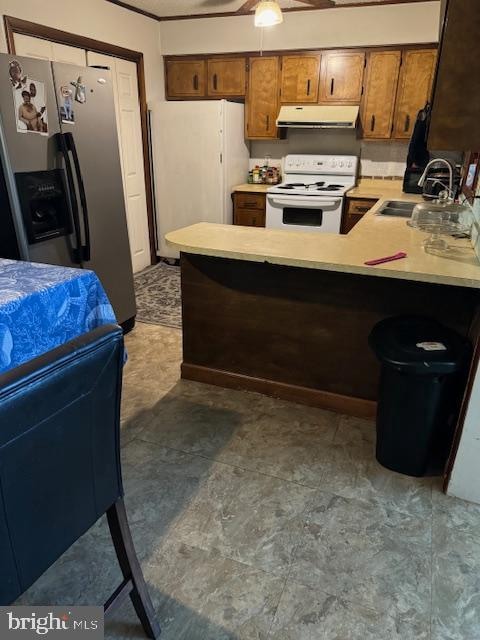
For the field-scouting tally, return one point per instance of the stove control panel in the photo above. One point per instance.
(337, 165)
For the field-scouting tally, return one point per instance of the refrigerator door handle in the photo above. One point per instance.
(86, 248)
(62, 146)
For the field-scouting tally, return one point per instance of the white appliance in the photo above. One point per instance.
(199, 154)
(318, 117)
(311, 196)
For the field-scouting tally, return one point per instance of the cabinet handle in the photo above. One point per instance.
(372, 126)
(195, 82)
(308, 87)
(332, 86)
(407, 123)
(215, 82)
(361, 209)
(267, 124)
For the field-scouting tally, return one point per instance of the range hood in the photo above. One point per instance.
(318, 117)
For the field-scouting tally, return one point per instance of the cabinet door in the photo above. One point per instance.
(186, 78)
(247, 218)
(300, 76)
(455, 123)
(262, 99)
(380, 91)
(248, 200)
(226, 77)
(414, 88)
(46, 50)
(355, 209)
(342, 77)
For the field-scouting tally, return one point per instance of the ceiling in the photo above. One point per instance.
(167, 9)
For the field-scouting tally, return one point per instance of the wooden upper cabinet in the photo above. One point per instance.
(341, 79)
(414, 89)
(226, 77)
(455, 123)
(300, 76)
(262, 98)
(186, 78)
(379, 95)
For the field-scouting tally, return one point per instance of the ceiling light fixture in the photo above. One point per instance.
(268, 13)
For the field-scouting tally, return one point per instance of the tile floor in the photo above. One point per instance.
(258, 519)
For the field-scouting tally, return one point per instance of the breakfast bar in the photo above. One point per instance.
(288, 314)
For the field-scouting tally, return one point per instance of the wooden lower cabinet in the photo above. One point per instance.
(380, 91)
(355, 209)
(249, 209)
(262, 98)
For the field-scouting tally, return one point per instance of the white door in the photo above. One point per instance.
(127, 112)
(46, 50)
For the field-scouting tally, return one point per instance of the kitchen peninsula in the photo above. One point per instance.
(288, 314)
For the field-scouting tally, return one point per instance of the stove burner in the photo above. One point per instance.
(301, 185)
(331, 187)
(292, 185)
(312, 186)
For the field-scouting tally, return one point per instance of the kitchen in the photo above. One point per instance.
(273, 162)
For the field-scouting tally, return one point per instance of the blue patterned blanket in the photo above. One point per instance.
(43, 306)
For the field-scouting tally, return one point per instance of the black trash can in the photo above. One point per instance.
(424, 371)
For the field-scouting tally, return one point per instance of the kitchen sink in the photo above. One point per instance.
(397, 208)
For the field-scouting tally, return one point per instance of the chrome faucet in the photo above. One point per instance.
(448, 164)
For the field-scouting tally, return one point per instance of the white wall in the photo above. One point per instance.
(465, 478)
(99, 20)
(353, 26)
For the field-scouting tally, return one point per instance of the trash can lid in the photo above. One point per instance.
(419, 345)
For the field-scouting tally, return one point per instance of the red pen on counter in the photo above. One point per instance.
(396, 256)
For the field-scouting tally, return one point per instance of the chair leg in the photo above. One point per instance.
(131, 570)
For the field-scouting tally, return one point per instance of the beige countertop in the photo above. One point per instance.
(252, 188)
(373, 237)
(378, 188)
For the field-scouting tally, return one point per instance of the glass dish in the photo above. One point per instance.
(442, 217)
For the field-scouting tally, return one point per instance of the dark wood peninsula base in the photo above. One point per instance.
(296, 333)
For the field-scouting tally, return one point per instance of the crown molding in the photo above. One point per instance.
(229, 14)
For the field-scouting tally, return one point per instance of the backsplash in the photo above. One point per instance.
(377, 159)
(380, 159)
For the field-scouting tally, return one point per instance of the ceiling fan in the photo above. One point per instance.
(249, 5)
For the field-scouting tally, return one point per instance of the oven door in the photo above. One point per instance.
(304, 213)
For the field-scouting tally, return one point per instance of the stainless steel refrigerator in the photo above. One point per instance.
(61, 173)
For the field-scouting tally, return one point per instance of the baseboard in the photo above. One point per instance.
(347, 405)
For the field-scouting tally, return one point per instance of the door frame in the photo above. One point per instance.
(24, 27)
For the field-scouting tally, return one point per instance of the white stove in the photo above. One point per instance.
(311, 196)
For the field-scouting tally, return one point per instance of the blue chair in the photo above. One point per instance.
(60, 465)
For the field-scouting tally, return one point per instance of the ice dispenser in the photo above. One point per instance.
(44, 204)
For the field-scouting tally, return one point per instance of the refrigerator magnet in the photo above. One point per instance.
(67, 114)
(17, 77)
(80, 90)
(29, 101)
